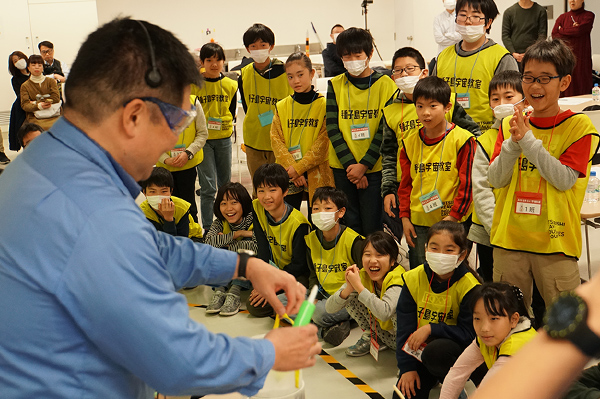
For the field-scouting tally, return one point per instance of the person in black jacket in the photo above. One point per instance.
(331, 60)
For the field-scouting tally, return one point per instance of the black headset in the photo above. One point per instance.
(153, 78)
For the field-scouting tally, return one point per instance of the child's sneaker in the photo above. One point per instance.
(361, 347)
(231, 305)
(216, 302)
(337, 333)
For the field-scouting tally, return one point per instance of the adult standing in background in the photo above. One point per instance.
(523, 23)
(575, 27)
(331, 60)
(17, 66)
(444, 27)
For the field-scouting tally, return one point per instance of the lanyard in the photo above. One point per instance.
(368, 98)
(336, 240)
(304, 126)
(280, 248)
(217, 102)
(256, 85)
(441, 155)
(473, 67)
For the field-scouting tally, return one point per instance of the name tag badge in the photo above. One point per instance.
(177, 150)
(266, 118)
(528, 203)
(296, 152)
(214, 123)
(374, 349)
(416, 354)
(360, 132)
(464, 100)
(431, 201)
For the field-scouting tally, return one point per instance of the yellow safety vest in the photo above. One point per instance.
(303, 127)
(261, 95)
(427, 168)
(433, 308)
(280, 236)
(475, 71)
(216, 98)
(181, 207)
(557, 230)
(186, 138)
(355, 112)
(330, 265)
(486, 142)
(227, 228)
(508, 348)
(394, 277)
(403, 120)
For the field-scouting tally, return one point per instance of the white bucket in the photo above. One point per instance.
(281, 385)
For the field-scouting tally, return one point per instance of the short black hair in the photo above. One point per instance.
(554, 52)
(26, 129)
(14, 71)
(336, 26)
(299, 56)
(271, 175)
(45, 43)
(432, 88)
(160, 177)
(487, 7)
(115, 59)
(509, 79)
(210, 50)
(383, 243)
(35, 59)
(327, 193)
(500, 299)
(232, 190)
(258, 31)
(354, 41)
(409, 52)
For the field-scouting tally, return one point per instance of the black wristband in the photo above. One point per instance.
(189, 155)
(243, 262)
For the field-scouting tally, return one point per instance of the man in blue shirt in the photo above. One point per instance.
(89, 306)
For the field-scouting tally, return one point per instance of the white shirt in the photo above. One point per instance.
(444, 30)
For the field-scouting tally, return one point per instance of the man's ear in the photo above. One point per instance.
(132, 116)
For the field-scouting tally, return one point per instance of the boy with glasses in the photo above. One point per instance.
(469, 65)
(540, 168)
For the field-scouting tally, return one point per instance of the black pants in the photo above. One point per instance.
(486, 262)
(185, 188)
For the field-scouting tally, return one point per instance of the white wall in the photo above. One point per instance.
(288, 19)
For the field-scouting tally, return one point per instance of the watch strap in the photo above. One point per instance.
(243, 263)
(189, 154)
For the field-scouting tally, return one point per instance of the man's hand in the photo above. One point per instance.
(409, 231)
(519, 124)
(268, 280)
(167, 209)
(295, 348)
(178, 161)
(355, 172)
(60, 78)
(409, 382)
(389, 203)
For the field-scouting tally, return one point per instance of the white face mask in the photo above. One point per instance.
(355, 68)
(407, 83)
(261, 55)
(155, 200)
(334, 37)
(449, 4)
(21, 64)
(503, 110)
(324, 221)
(441, 264)
(470, 33)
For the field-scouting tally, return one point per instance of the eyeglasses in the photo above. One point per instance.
(474, 19)
(44, 52)
(544, 80)
(408, 69)
(177, 118)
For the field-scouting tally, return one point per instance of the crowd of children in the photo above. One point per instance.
(443, 158)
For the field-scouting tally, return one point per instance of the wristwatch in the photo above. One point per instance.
(244, 255)
(189, 154)
(566, 318)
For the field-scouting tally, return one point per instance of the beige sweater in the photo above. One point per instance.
(28, 92)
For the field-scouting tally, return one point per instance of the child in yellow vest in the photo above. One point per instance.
(370, 295)
(540, 169)
(279, 230)
(261, 84)
(232, 229)
(218, 96)
(506, 91)
(355, 101)
(166, 212)
(469, 65)
(434, 314)
(299, 133)
(502, 327)
(401, 120)
(331, 249)
(436, 169)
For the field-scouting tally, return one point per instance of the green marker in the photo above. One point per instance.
(307, 309)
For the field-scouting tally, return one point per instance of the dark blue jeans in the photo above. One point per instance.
(365, 206)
